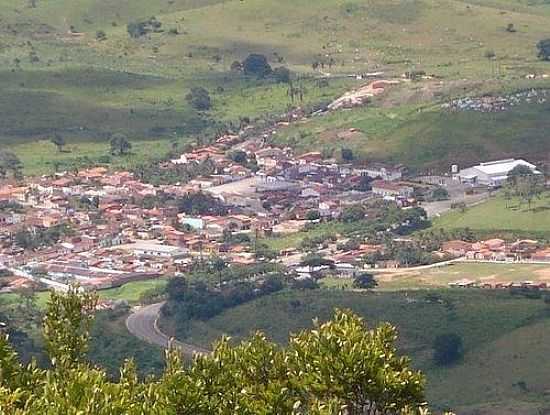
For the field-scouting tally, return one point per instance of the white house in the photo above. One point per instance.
(391, 189)
(493, 173)
(379, 171)
(154, 249)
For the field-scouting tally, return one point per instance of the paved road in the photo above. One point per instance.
(434, 209)
(143, 324)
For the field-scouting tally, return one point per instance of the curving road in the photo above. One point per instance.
(143, 324)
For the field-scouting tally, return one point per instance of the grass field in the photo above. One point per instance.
(482, 272)
(131, 292)
(493, 215)
(504, 338)
(85, 89)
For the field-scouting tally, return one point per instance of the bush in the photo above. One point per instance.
(440, 194)
(544, 49)
(365, 282)
(347, 154)
(448, 349)
(282, 75)
(256, 65)
(199, 98)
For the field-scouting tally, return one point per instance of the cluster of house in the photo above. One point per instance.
(498, 250)
(112, 238)
(118, 230)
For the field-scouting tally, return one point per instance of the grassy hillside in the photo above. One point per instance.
(493, 215)
(57, 77)
(425, 137)
(494, 327)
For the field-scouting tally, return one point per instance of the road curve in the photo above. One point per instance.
(143, 323)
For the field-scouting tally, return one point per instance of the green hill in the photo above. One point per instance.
(504, 337)
(58, 77)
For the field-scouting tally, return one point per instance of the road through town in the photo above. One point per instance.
(143, 323)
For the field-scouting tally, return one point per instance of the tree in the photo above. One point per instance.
(365, 281)
(518, 172)
(67, 326)
(313, 215)
(176, 289)
(448, 349)
(120, 144)
(353, 213)
(364, 184)
(199, 98)
(256, 65)
(238, 156)
(490, 54)
(10, 163)
(218, 264)
(282, 75)
(525, 184)
(58, 141)
(100, 35)
(136, 29)
(440, 193)
(316, 260)
(347, 154)
(544, 49)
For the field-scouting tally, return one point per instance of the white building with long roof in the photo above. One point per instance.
(493, 173)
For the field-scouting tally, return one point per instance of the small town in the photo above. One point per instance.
(291, 207)
(101, 229)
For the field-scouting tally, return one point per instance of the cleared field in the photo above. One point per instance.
(482, 272)
(493, 215)
(133, 291)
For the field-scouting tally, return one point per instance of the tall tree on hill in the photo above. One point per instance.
(58, 141)
(525, 184)
(10, 164)
(256, 65)
(544, 49)
(218, 264)
(365, 281)
(120, 144)
(199, 98)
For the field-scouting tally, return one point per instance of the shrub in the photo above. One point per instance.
(448, 349)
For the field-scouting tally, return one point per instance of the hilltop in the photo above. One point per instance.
(72, 68)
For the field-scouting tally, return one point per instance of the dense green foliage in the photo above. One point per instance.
(544, 49)
(39, 237)
(201, 204)
(341, 367)
(214, 287)
(448, 349)
(199, 98)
